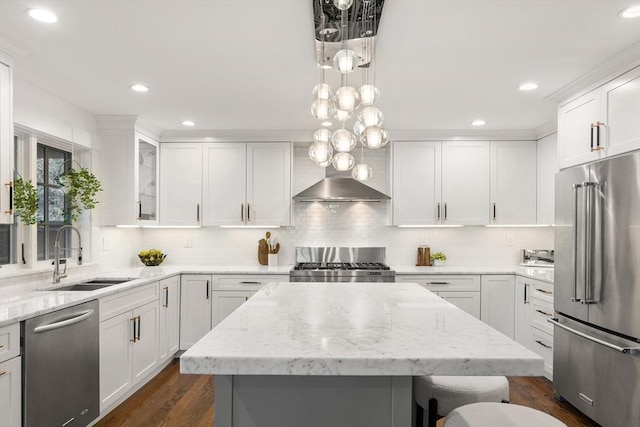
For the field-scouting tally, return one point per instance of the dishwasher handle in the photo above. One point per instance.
(57, 325)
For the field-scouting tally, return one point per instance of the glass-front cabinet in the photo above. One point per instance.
(147, 178)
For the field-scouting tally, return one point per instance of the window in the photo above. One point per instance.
(51, 163)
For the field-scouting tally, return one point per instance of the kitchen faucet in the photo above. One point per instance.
(56, 253)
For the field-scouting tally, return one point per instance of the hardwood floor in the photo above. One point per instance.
(172, 399)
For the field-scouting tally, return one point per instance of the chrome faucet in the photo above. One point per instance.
(56, 252)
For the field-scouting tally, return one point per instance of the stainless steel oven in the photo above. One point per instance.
(339, 264)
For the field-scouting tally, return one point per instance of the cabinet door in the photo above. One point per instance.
(145, 348)
(621, 112)
(169, 335)
(497, 302)
(547, 166)
(522, 311)
(147, 178)
(574, 130)
(6, 143)
(465, 182)
(467, 301)
(416, 183)
(513, 182)
(180, 183)
(225, 303)
(195, 308)
(269, 183)
(224, 186)
(116, 335)
(10, 393)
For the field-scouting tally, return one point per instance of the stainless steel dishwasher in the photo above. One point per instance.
(61, 367)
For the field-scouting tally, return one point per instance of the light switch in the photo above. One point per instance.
(106, 245)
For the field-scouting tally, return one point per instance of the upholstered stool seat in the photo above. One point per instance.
(491, 414)
(442, 394)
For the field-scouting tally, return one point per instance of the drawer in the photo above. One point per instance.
(542, 344)
(541, 311)
(441, 282)
(246, 281)
(113, 305)
(542, 291)
(9, 341)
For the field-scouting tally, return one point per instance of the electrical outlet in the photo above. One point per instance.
(508, 239)
(106, 245)
(188, 242)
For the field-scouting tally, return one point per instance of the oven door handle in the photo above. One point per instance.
(626, 350)
(57, 325)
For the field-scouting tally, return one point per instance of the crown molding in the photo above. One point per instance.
(115, 122)
(463, 134)
(12, 50)
(235, 135)
(610, 69)
(546, 129)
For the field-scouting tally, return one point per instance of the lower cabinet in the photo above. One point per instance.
(497, 302)
(169, 323)
(128, 341)
(225, 303)
(461, 290)
(195, 308)
(11, 392)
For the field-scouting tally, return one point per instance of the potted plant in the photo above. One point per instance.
(81, 187)
(25, 200)
(438, 259)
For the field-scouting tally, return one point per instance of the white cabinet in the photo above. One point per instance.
(6, 143)
(226, 302)
(463, 291)
(497, 302)
(601, 123)
(247, 184)
(128, 341)
(547, 166)
(513, 182)
(195, 308)
(169, 323)
(130, 195)
(440, 182)
(10, 376)
(180, 184)
(523, 313)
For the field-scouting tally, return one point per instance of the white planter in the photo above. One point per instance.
(438, 263)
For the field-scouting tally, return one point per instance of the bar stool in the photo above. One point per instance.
(498, 414)
(442, 394)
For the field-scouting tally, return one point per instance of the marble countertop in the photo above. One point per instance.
(544, 274)
(355, 329)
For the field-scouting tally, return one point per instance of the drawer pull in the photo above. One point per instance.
(438, 283)
(2, 373)
(544, 312)
(545, 292)
(133, 322)
(1, 345)
(543, 344)
(166, 297)
(251, 283)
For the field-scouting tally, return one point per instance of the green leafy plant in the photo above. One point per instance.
(81, 187)
(25, 200)
(438, 256)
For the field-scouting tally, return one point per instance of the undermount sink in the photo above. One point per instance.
(92, 285)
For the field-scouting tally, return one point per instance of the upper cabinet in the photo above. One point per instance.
(547, 166)
(180, 184)
(130, 170)
(440, 182)
(601, 123)
(513, 182)
(6, 144)
(247, 184)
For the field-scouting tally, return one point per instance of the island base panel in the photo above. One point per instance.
(294, 401)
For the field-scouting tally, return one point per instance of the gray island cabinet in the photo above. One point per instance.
(343, 354)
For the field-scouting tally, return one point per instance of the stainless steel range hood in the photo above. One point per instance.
(339, 188)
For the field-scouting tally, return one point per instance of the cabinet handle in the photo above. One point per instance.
(250, 283)
(526, 296)
(197, 212)
(166, 296)
(438, 283)
(543, 344)
(597, 146)
(246, 298)
(207, 289)
(242, 212)
(438, 211)
(10, 185)
(591, 139)
(1, 345)
(445, 211)
(133, 321)
(544, 312)
(2, 373)
(494, 211)
(248, 212)
(139, 209)
(139, 323)
(545, 292)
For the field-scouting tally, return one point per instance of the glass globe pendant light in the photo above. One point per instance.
(345, 61)
(343, 140)
(362, 172)
(374, 137)
(322, 135)
(346, 98)
(370, 116)
(322, 91)
(368, 94)
(322, 109)
(320, 152)
(342, 115)
(343, 161)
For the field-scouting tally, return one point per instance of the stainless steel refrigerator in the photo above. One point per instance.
(596, 352)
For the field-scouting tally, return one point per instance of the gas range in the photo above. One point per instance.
(337, 264)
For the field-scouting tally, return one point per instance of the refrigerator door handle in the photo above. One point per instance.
(626, 350)
(574, 241)
(589, 188)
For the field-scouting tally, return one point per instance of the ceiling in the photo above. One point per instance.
(250, 64)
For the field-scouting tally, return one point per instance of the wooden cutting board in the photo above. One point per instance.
(263, 252)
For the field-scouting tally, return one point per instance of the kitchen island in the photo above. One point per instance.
(343, 354)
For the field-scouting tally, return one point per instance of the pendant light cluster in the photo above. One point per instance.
(335, 148)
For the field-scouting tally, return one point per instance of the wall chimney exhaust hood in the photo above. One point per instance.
(339, 188)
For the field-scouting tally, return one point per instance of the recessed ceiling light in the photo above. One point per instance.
(188, 123)
(631, 12)
(139, 88)
(326, 124)
(528, 86)
(478, 123)
(43, 15)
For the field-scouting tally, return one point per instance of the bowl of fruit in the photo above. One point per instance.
(152, 257)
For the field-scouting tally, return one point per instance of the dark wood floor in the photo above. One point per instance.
(171, 399)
